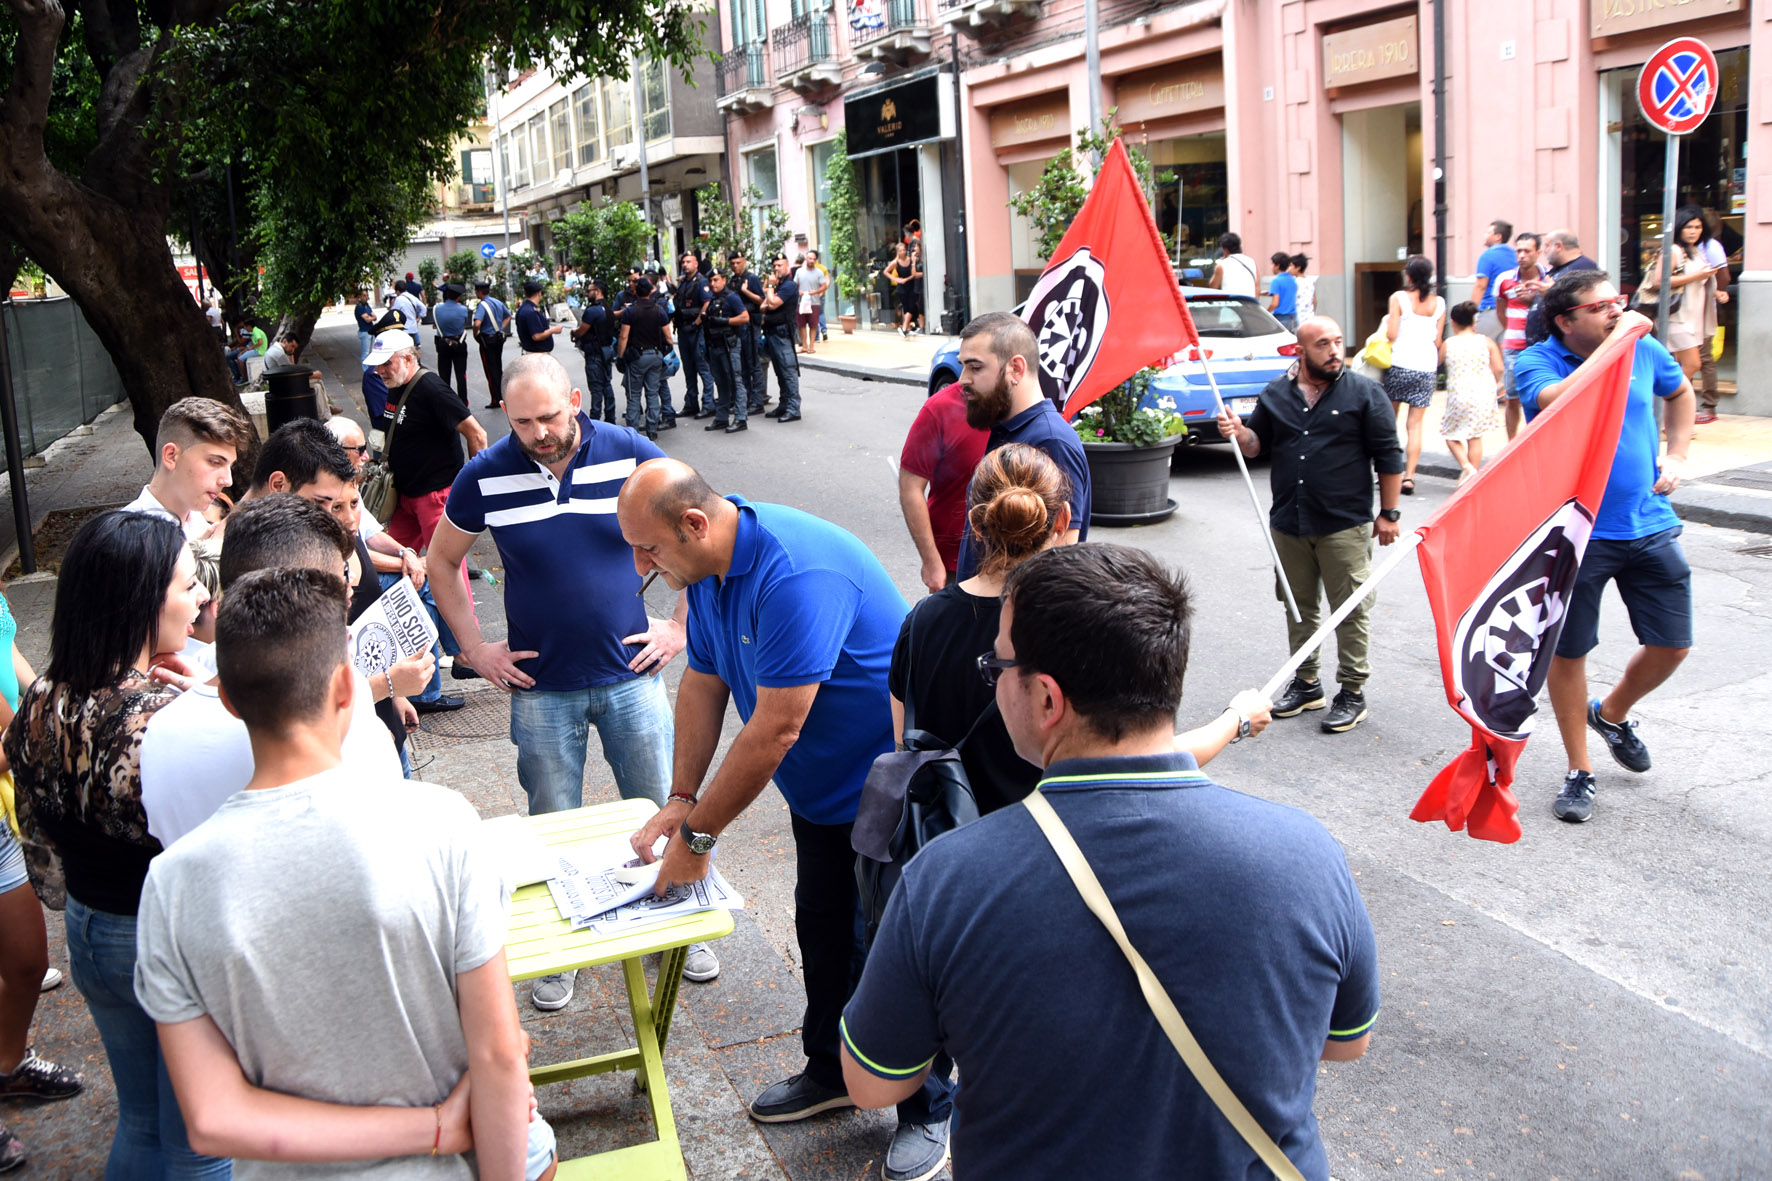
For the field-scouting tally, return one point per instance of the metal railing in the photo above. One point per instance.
(474, 194)
(741, 69)
(897, 16)
(802, 42)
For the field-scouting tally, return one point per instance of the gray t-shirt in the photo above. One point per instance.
(322, 926)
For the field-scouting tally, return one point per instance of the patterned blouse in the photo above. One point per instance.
(77, 766)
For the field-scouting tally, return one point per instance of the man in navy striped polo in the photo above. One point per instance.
(581, 651)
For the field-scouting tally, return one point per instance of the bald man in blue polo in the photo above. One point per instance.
(792, 619)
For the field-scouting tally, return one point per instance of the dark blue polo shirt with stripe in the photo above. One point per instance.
(1244, 909)
(805, 602)
(570, 585)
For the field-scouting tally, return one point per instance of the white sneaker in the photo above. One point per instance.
(52, 979)
(553, 992)
(702, 965)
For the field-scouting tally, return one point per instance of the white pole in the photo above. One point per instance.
(1403, 547)
(1254, 501)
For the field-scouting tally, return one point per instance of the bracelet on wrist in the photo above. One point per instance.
(683, 797)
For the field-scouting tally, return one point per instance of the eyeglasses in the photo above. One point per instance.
(1599, 305)
(991, 666)
(359, 448)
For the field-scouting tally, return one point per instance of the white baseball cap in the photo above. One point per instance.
(384, 346)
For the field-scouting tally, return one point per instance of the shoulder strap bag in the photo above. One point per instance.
(379, 497)
(1096, 899)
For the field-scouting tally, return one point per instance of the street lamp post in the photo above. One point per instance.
(498, 172)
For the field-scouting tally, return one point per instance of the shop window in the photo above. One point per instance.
(1194, 205)
(584, 102)
(1024, 239)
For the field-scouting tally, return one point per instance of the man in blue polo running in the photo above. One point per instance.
(582, 652)
(793, 620)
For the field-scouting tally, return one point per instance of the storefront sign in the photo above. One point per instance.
(1388, 49)
(1611, 18)
(1181, 88)
(1047, 117)
(896, 117)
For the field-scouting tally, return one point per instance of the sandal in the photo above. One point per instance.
(1408, 487)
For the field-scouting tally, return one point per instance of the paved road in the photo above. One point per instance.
(1591, 1001)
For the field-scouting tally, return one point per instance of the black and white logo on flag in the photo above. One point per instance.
(1504, 642)
(1068, 312)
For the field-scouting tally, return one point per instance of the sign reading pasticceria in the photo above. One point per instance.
(1609, 18)
(896, 117)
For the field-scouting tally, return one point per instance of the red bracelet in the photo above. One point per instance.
(438, 1142)
(685, 797)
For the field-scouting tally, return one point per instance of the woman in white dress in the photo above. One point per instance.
(1415, 324)
(1473, 386)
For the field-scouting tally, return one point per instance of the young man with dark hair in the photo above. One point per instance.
(534, 333)
(1282, 291)
(383, 900)
(1060, 1052)
(1495, 261)
(1635, 540)
(196, 446)
(302, 454)
(781, 303)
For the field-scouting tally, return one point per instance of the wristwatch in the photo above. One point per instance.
(1392, 515)
(700, 843)
(1243, 724)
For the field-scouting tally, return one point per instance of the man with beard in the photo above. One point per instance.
(582, 651)
(999, 373)
(1328, 430)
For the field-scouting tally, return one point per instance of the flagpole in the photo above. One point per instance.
(1254, 501)
(1404, 546)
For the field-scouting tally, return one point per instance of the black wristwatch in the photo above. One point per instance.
(700, 843)
(1392, 515)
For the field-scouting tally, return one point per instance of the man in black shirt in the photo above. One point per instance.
(534, 333)
(781, 304)
(1328, 430)
(691, 294)
(492, 325)
(722, 321)
(750, 338)
(645, 335)
(595, 336)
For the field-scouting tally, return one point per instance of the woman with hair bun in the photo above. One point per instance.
(1018, 500)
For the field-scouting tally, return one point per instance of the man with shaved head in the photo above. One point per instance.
(581, 651)
(1000, 375)
(793, 620)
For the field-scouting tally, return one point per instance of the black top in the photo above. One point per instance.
(1324, 457)
(749, 284)
(783, 316)
(951, 629)
(691, 294)
(645, 322)
(532, 322)
(602, 327)
(726, 305)
(364, 310)
(426, 451)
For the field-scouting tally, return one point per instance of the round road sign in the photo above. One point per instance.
(1678, 85)
(487, 250)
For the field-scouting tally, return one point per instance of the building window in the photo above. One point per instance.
(521, 175)
(559, 120)
(760, 166)
(504, 148)
(655, 102)
(585, 100)
(619, 107)
(538, 147)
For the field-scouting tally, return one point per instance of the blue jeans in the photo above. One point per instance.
(787, 370)
(364, 338)
(552, 731)
(150, 1143)
(446, 642)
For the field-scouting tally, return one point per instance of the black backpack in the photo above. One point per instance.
(911, 797)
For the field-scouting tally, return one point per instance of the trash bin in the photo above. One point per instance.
(289, 396)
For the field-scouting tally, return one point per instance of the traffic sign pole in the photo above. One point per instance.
(1676, 91)
(1669, 190)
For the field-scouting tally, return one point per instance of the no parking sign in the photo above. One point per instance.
(1678, 86)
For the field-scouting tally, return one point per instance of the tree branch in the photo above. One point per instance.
(40, 24)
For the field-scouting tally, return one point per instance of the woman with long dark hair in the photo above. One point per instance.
(128, 590)
(1415, 324)
(1693, 281)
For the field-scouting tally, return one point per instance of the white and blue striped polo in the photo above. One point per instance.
(570, 585)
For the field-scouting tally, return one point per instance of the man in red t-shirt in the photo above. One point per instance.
(940, 455)
(1515, 293)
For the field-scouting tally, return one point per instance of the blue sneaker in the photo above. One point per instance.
(1621, 739)
(1575, 803)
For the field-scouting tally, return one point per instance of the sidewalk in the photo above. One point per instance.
(876, 355)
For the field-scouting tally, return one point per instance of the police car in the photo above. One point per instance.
(1246, 346)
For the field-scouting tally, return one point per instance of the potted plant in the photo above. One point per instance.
(1128, 446)
(843, 207)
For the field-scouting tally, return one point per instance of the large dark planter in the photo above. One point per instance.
(1129, 483)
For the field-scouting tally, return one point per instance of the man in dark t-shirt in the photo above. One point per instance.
(534, 333)
(645, 335)
(781, 304)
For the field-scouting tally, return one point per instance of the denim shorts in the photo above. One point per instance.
(1653, 580)
(12, 860)
(1508, 357)
(542, 1149)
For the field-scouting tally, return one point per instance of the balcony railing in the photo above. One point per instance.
(802, 43)
(897, 16)
(474, 194)
(742, 69)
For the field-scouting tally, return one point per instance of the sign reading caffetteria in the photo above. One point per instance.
(1043, 118)
(1180, 88)
(1371, 53)
(898, 117)
(1610, 18)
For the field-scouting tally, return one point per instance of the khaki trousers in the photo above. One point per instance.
(1336, 563)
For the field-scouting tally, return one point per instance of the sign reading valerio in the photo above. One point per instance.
(1370, 53)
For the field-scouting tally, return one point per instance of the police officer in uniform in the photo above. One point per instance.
(750, 288)
(781, 304)
(645, 335)
(692, 293)
(595, 337)
(451, 320)
(492, 324)
(723, 319)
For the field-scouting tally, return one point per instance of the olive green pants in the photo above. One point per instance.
(1336, 563)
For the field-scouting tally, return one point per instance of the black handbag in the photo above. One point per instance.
(911, 797)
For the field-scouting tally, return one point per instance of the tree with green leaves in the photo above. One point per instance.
(329, 124)
(464, 266)
(754, 228)
(1053, 203)
(603, 241)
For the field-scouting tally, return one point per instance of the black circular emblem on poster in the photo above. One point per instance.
(1068, 312)
(1505, 641)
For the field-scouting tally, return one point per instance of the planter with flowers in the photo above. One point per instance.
(1129, 446)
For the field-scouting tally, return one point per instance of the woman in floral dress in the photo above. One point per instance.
(1473, 383)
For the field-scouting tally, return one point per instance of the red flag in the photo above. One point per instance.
(1108, 303)
(1499, 560)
